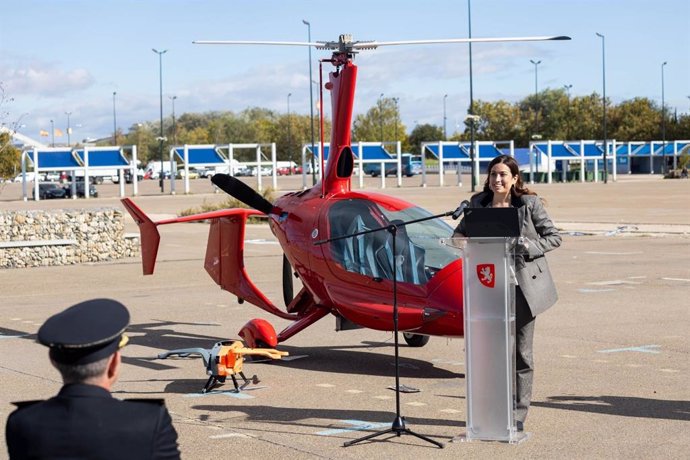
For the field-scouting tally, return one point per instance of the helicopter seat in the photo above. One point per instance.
(410, 268)
(358, 254)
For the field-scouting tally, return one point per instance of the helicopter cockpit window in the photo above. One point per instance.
(426, 235)
(419, 251)
(356, 253)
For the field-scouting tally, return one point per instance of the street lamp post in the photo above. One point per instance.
(161, 138)
(473, 169)
(603, 101)
(68, 129)
(174, 126)
(52, 133)
(397, 111)
(289, 140)
(114, 120)
(663, 123)
(567, 122)
(445, 136)
(311, 104)
(536, 96)
(381, 115)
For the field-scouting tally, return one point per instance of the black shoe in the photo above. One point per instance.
(520, 426)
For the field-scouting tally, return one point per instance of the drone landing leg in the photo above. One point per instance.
(210, 383)
(234, 381)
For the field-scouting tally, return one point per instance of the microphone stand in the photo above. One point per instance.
(398, 426)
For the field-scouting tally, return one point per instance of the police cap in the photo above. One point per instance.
(85, 332)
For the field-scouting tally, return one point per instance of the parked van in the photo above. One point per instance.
(411, 165)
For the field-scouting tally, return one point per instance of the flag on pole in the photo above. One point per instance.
(44, 133)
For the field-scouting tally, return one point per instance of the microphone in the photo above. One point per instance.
(458, 212)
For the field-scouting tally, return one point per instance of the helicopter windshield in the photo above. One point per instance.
(418, 245)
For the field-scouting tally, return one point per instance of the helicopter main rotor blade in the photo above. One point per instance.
(253, 42)
(370, 45)
(238, 189)
(374, 44)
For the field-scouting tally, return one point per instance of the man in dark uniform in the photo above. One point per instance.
(84, 420)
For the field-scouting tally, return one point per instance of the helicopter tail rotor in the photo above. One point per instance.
(238, 189)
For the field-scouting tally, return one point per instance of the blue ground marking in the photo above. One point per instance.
(358, 425)
(640, 349)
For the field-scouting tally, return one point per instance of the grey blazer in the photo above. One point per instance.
(531, 269)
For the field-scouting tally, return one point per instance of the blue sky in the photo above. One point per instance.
(71, 55)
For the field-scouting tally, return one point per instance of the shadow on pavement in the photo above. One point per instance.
(621, 405)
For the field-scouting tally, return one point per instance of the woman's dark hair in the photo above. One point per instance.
(519, 188)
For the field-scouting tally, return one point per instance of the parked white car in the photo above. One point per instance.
(29, 177)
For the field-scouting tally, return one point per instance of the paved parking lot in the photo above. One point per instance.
(611, 356)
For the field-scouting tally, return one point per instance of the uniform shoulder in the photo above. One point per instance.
(24, 404)
(149, 401)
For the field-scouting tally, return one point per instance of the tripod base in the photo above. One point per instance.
(398, 428)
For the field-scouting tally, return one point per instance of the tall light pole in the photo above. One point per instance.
(663, 123)
(603, 102)
(397, 109)
(471, 111)
(52, 133)
(311, 104)
(174, 126)
(445, 136)
(567, 123)
(161, 138)
(381, 115)
(289, 140)
(68, 129)
(536, 96)
(114, 120)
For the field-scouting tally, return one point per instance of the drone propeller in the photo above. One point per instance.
(238, 189)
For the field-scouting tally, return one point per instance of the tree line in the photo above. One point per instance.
(549, 114)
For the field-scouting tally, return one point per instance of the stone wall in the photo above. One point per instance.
(63, 237)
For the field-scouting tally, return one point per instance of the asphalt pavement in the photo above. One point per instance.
(611, 357)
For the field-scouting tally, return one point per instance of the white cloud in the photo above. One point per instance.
(38, 78)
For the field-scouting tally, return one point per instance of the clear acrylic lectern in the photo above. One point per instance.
(489, 315)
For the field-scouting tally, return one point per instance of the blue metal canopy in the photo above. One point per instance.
(54, 159)
(450, 152)
(486, 151)
(522, 156)
(112, 158)
(557, 150)
(200, 155)
(591, 150)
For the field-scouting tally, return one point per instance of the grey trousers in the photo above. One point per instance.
(524, 359)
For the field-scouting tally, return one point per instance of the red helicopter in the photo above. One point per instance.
(351, 278)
